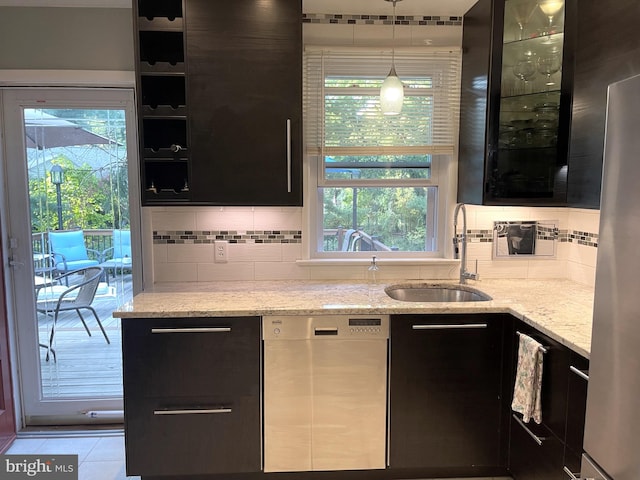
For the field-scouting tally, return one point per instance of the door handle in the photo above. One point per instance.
(192, 411)
(536, 438)
(15, 263)
(579, 372)
(288, 155)
(192, 330)
(452, 326)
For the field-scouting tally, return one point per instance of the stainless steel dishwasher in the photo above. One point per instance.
(325, 392)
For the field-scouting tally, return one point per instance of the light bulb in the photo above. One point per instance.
(391, 94)
(551, 7)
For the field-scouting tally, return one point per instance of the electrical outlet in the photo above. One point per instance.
(220, 251)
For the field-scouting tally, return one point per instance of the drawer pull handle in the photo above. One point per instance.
(462, 326)
(579, 372)
(536, 438)
(569, 473)
(192, 330)
(192, 411)
(325, 331)
(288, 155)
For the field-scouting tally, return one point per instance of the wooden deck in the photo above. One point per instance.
(85, 366)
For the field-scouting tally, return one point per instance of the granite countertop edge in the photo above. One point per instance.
(559, 308)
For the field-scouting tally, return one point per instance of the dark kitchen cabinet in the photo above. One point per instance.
(515, 103)
(553, 448)
(162, 102)
(220, 89)
(192, 395)
(445, 394)
(607, 51)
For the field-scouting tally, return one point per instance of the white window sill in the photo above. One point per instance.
(380, 261)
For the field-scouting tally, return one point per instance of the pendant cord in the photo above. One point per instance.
(393, 37)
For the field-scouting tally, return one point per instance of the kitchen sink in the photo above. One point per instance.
(435, 293)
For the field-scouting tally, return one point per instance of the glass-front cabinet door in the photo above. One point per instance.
(517, 73)
(530, 162)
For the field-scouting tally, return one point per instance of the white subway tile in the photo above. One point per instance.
(253, 252)
(225, 218)
(439, 272)
(175, 272)
(334, 272)
(210, 272)
(190, 252)
(582, 274)
(584, 220)
(539, 268)
(183, 220)
(395, 272)
(291, 252)
(583, 255)
(269, 218)
(503, 269)
(280, 271)
(160, 254)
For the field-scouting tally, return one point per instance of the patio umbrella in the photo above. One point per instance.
(43, 130)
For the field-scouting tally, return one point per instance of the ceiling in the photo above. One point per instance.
(372, 7)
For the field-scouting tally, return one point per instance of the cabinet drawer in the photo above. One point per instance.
(195, 357)
(189, 437)
(577, 402)
(536, 454)
(555, 376)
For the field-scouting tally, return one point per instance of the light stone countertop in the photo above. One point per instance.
(561, 309)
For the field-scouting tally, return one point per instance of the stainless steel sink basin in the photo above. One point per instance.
(435, 293)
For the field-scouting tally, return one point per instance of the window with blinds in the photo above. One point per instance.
(377, 179)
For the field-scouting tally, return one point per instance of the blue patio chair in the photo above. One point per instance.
(117, 257)
(70, 252)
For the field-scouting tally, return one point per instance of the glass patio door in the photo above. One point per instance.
(72, 203)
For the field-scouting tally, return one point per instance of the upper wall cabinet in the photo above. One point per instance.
(607, 51)
(220, 101)
(517, 71)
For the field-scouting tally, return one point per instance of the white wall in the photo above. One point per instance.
(66, 39)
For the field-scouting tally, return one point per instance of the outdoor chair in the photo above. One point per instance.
(70, 252)
(55, 299)
(117, 257)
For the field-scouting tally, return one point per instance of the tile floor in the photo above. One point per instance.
(100, 457)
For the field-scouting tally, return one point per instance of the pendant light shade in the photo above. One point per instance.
(392, 91)
(392, 94)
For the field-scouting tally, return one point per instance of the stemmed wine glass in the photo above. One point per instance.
(550, 8)
(549, 63)
(522, 11)
(525, 68)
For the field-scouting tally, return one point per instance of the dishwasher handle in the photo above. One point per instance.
(320, 331)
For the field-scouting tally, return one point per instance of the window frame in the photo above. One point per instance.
(441, 169)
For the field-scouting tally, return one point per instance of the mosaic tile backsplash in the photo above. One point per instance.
(588, 239)
(231, 236)
(330, 18)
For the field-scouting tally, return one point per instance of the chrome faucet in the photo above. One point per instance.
(461, 251)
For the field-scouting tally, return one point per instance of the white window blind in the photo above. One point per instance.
(341, 102)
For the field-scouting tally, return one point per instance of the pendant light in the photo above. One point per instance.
(392, 91)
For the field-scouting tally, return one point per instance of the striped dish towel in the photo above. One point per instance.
(528, 383)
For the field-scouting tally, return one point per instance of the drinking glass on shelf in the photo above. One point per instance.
(548, 64)
(522, 11)
(525, 69)
(550, 8)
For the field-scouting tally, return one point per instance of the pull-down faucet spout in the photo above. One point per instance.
(460, 245)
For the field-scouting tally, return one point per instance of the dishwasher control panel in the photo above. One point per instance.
(320, 327)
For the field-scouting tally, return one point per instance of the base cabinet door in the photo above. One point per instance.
(192, 396)
(445, 380)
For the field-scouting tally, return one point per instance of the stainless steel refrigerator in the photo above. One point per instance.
(612, 432)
